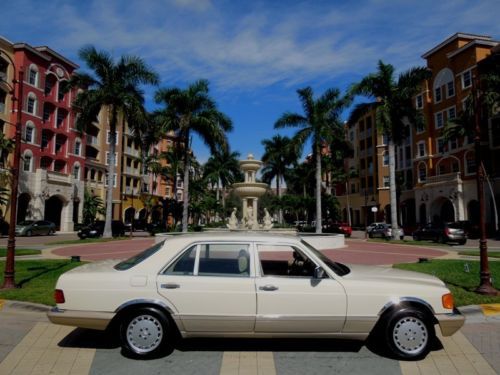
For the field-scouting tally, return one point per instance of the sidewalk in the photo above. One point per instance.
(32, 345)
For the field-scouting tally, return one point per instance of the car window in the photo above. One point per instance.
(184, 265)
(339, 268)
(224, 260)
(24, 223)
(284, 260)
(136, 259)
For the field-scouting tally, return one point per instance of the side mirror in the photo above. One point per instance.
(319, 273)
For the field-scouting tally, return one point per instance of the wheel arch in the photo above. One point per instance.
(405, 303)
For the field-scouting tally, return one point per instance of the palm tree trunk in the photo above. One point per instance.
(392, 188)
(278, 193)
(187, 166)
(318, 189)
(348, 204)
(108, 233)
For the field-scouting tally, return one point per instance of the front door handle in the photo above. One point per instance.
(170, 286)
(268, 288)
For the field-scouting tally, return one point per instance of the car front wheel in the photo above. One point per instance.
(409, 334)
(144, 333)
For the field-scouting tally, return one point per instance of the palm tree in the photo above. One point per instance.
(222, 169)
(321, 123)
(6, 147)
(279, 154)
(114, 86)
(394, 111)
(190, 111)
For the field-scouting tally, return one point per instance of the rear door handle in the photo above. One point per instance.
(268, 288)
(170, 286)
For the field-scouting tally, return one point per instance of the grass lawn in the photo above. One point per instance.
(87, 240)
(491, 254)
(461, 276)
(37, 279)
(3, 251)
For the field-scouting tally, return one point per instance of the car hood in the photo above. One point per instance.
(392, 275)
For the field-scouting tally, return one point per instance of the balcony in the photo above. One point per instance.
(60, 178)
(443, 178)
(92, 140)
(132, 171)
(129, 190)
(131, 151)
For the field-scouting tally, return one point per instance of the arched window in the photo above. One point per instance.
(444, 78)
(33, 75)
(76, 171)
(28, 161)
(31, 103)
(3, 99)
(422, 172)
(29, 132)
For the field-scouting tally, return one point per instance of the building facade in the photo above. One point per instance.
(435, 177)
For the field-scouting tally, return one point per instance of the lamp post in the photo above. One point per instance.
(9, 280)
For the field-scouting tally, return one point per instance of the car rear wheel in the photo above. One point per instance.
(409, 334)
(29, 233)
(144, 333)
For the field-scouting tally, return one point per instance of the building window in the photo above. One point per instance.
(442, 169)
(437, 95)
(421, 149)
(386, 181)
(179, 183)
(114, 180)
(471, 164)
(78, 146)
(27, 162)
(455, 167)
(31, 104)
(452, 113)
(3, 98)
(45, 140)
(439, 120)
(60, 118)
(440, 145)
(76, 172)
(33, 76)
(419, 101)
(450, 89)
(466, 79)
(386, 158)
(108, 157)
(453, 144)
(108, 138)
(29, 134)
(422, 172)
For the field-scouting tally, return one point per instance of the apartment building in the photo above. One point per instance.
(435, 178)
(50, 183)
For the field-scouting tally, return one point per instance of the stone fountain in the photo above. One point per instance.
(249, 191)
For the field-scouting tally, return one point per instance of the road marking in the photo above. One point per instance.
(39, 353)
(248, 363)
(491, 309)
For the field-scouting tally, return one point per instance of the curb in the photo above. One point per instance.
(24, 306)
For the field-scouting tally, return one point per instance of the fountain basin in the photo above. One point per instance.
(250, 189)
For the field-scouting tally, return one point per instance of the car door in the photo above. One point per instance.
(212, 287)
(290, 299)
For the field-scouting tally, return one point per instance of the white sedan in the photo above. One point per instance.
(252, 285)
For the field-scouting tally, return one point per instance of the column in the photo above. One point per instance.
(245, 205)
(255, 223)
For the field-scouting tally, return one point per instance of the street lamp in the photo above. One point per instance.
(9, 280)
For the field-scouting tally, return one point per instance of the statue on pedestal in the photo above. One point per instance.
(268, 222)
(233, 220)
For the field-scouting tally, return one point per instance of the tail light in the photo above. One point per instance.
(59, 296)
(447, 231)
(447, 300)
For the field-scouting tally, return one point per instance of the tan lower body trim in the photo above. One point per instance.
(82, 319)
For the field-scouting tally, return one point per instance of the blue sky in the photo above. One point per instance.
(255, 54)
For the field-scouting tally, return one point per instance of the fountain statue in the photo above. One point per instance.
(250, 191)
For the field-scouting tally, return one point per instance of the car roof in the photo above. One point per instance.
(231, 236)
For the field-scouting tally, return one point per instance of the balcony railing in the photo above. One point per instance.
(131, 190)
(132, 170)
(131, 151)
(59, 177)
(92, 140)
(448, 177)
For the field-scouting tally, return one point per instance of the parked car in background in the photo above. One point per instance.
(31, 227)
(471, 230)
(337, 227)
(382, 230)
(252, 285)
(371, 226)
(441, 232)
(96, 229)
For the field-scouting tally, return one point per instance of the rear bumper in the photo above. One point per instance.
(82, 319)
(450, 323)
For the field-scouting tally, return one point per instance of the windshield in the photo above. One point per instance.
(136, 259)
(24, 223)
(339, 268)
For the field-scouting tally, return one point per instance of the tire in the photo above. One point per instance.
(29, 233)
(50, 232)
(409, 334)
(144, 333)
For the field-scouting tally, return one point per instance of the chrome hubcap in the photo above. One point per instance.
(144, 333)
(410, 335)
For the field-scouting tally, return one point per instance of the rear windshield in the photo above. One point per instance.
(136, 259)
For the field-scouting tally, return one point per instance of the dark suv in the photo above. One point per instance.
(441, 232)
(97, 229)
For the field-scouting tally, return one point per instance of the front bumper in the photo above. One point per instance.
(83, 319)
(450, 323)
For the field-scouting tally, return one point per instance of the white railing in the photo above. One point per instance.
(59, 177)
(443, 178)
(131, 151)
(92, 140)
